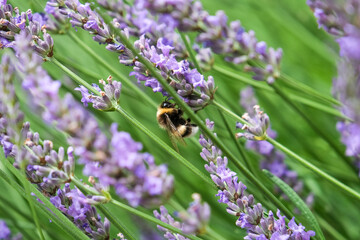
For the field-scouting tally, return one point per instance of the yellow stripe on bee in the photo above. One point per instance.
(161, 111)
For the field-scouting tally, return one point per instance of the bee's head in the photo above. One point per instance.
(167, 104)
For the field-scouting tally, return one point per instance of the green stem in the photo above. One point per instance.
(297, 157)
(134, 211)
(315, 169)
(306, 89)
(209, 231)
(190, 51)
(213, 234)
(48, 208)
(329, 140)
(330, 229)
(321, 107)
(88, 73)
(75, 77)
(108, 67)
(246, 80)
(31, 204)
(237, 143)
(113, 219)
(261, 86)
(137, 124)
(230, 113)
(151, 219)
(195, 118)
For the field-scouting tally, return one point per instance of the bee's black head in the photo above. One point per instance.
(167, 105)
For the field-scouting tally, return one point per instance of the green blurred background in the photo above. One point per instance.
(309, 57)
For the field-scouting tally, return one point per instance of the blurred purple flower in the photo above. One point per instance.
(193, 221)
(340, 18)
(5, 233)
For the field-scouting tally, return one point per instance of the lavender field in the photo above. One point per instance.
(179, 119)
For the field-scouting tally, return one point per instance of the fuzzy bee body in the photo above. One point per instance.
(170, 118)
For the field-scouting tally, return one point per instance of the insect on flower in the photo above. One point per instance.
(170, 118)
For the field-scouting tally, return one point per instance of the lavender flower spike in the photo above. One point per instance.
(75, 206)
(12, 22)
(193, 221)
(44, 166)
(250, 215)
(109, 96)
(192, 86)
(257, 125)
(214, 32)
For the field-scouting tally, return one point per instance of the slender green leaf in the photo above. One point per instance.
(299, 203)
(55, 215)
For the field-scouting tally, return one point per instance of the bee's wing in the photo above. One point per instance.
(173, 133)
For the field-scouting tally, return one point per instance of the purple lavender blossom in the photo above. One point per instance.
(107, 98)
(44, 166)
(55, 22)
(258, 123)
(117, 161)
(189, 83)
(193, 221)
(74, 204)
(5, 233)
(232, 193)
(12, 22)
(227, 39)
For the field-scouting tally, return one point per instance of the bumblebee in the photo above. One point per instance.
(170, 118)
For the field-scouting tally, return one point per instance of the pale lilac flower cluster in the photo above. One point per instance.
(48, 168)
(140, 21)
(333, 15)
(44, 166)
(192, 86)
(188, 83)
(228, 39)
(257, 125)
(340, 18)
(12, 22)
(116, 161)
(251, 215)
(273, 160)
(55, 22)
(107, 98)
(192, 221)
(5, 233)
(74, 204)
